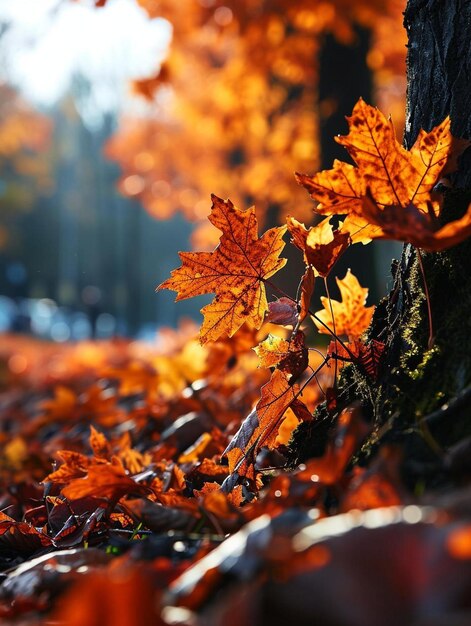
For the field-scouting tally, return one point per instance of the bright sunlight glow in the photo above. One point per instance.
(46, 44)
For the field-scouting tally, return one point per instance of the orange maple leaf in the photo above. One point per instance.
(390, 188)
(260, 427)
(350, 315)
(235, 271)
(99, 444)
(393, 174)
(74, 465)
(321, 245)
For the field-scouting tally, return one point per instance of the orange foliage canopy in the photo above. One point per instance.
(237, 95)
(235, 271)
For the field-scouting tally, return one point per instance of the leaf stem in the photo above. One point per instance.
(317, 380)
(427, 298)
(313, 315)
(313, 375)
(334, 329)
(135, 532)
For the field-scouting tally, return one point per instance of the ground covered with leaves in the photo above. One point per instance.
(131, 514)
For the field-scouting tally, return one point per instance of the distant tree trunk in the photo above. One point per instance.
(344, 76)
(422, 397)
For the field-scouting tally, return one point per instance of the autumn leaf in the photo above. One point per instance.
(133, 460)
(99, 444)
(365, 355)
(321, 245)
(104, 481)
(420, 229)
(396, 175)
(235, 271)
(393, 175)
(20, 537)
(283, 311)
(271, 351)
(74, 465)
(224, 506)
(290, 356)
(286, 311)
(351, 316)
(390, 188)
(260, 428)
(296, 360)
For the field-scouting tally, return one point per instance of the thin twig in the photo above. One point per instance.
(318, 383)
(333, 327)
(313, 315)
(313, 375)
(427, 298)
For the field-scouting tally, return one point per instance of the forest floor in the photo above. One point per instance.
(115, 507)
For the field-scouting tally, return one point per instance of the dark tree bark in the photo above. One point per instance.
(421, 399)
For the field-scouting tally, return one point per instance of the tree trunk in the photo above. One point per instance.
(421, 398)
